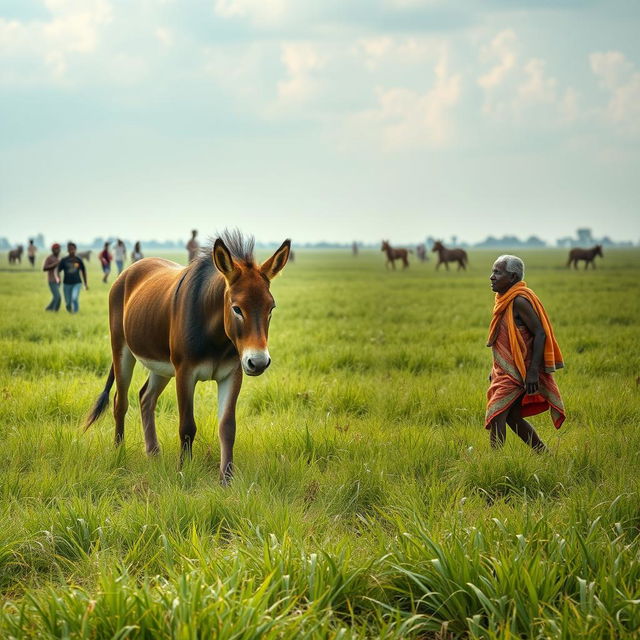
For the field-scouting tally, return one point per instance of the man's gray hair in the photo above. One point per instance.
(513, 264)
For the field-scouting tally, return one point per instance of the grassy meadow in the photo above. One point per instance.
(366, 503)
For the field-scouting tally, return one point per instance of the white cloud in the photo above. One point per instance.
(516, 91)
(263, 12)
(164, 36)
(537, 87)
(624, 107)
(410, 4)
(404, 118)
(611, 68)
(618, 76)
(569, 105)
(502, 47)
(379, 50)
(301, 61)
(239, 70)
(74, 29)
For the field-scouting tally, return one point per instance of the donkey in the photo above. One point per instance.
(206, 321)
(450, 255)
(394, 254)
(588, 255)
(15, 255)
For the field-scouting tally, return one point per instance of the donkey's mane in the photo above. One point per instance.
(240, 247)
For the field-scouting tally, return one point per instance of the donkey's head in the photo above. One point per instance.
(248, 303)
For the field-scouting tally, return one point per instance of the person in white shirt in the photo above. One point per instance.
(120, 254)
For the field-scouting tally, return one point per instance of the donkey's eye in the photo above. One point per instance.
(237, 310)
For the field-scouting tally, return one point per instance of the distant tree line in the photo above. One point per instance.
(583, 238)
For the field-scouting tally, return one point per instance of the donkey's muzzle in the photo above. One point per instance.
(255, 362)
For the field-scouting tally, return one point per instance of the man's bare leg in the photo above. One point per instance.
(498, 430)
(523, 429)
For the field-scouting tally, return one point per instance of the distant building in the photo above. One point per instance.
(585, 237)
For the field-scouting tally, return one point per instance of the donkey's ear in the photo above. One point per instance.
(271, 267)
(223, 260)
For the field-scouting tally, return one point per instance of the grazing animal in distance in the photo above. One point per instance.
(15, 255)
(421, 252)
(85, 255)
(588, 255)
(206, 321)
(450, 255)
(395, 254)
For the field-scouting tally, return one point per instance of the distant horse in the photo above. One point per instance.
(15, 255)
(395, 254)
(206, 321)
(85, 255)
(450, 255)
(588, 255)
(421, 252)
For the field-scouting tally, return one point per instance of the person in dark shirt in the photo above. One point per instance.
(73, 268)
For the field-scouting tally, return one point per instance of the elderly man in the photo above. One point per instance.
(525, 353)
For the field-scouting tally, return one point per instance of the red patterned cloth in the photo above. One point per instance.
(507, 384)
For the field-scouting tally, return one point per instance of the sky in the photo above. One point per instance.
(337, 120)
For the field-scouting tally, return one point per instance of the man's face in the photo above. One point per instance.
(501, 279)
(71, 249)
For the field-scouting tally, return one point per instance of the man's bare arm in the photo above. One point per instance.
(530, 318)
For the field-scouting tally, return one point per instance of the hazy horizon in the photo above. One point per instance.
(341, 121)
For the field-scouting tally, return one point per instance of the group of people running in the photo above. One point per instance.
(120, 256)
(72, 273)
(70, 270)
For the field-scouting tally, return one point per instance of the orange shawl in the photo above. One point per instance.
(504, 304)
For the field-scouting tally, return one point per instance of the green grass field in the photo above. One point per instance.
(367, 502)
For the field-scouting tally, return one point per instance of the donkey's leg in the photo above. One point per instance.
(123, 364)
(149, 395)
(228, 390)
(185, 387)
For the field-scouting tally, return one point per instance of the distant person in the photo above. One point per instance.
(193, 245)
(120, 254)
(105, 261)
(136, 254)
(73, 268)
(354, 248)
(525, 353)
(31, 253)
(50, 266)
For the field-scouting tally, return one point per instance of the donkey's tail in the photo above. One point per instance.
(101, 402)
